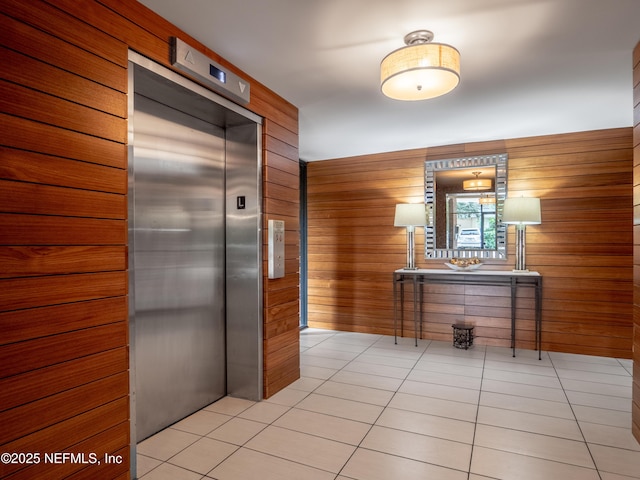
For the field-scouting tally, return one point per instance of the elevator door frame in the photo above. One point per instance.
(243, 270)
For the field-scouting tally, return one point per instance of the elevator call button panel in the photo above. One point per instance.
(276, 248)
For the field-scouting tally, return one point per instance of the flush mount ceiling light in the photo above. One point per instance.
(476, 184)
(421, 70)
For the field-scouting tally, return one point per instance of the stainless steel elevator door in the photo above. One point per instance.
(179, 257)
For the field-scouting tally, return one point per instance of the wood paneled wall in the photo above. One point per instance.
(583, 247)
(64, 381)
(636, 243)
(281, 192)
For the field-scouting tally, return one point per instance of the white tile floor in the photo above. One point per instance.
(368, 409)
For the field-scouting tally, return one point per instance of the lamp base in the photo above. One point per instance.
(410, 268)
(520, 249)
(516, 270)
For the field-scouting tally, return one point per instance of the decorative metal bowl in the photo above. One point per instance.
(463, 266)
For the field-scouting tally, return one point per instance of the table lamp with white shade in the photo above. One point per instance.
(410, 215)
(521, 211)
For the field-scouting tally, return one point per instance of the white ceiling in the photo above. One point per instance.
(528, 67)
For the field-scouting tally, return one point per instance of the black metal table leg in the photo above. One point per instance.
(395, 309)
(513, 316)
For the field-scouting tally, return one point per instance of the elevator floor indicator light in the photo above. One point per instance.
(217, 73)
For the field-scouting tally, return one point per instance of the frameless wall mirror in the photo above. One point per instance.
(464, 198)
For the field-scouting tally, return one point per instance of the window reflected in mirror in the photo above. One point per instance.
(470, 222)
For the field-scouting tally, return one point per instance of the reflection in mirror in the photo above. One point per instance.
(464, 197)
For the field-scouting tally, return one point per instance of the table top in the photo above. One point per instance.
(479, 271)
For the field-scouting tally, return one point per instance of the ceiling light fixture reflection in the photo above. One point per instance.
(476, 184)
(487, 199)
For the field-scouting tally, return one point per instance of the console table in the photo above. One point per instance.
(514, 280)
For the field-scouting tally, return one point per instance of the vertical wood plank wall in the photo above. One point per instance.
(64, 361)
(583, 247)
(636, 242)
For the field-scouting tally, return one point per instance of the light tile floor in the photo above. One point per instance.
(368, 409)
